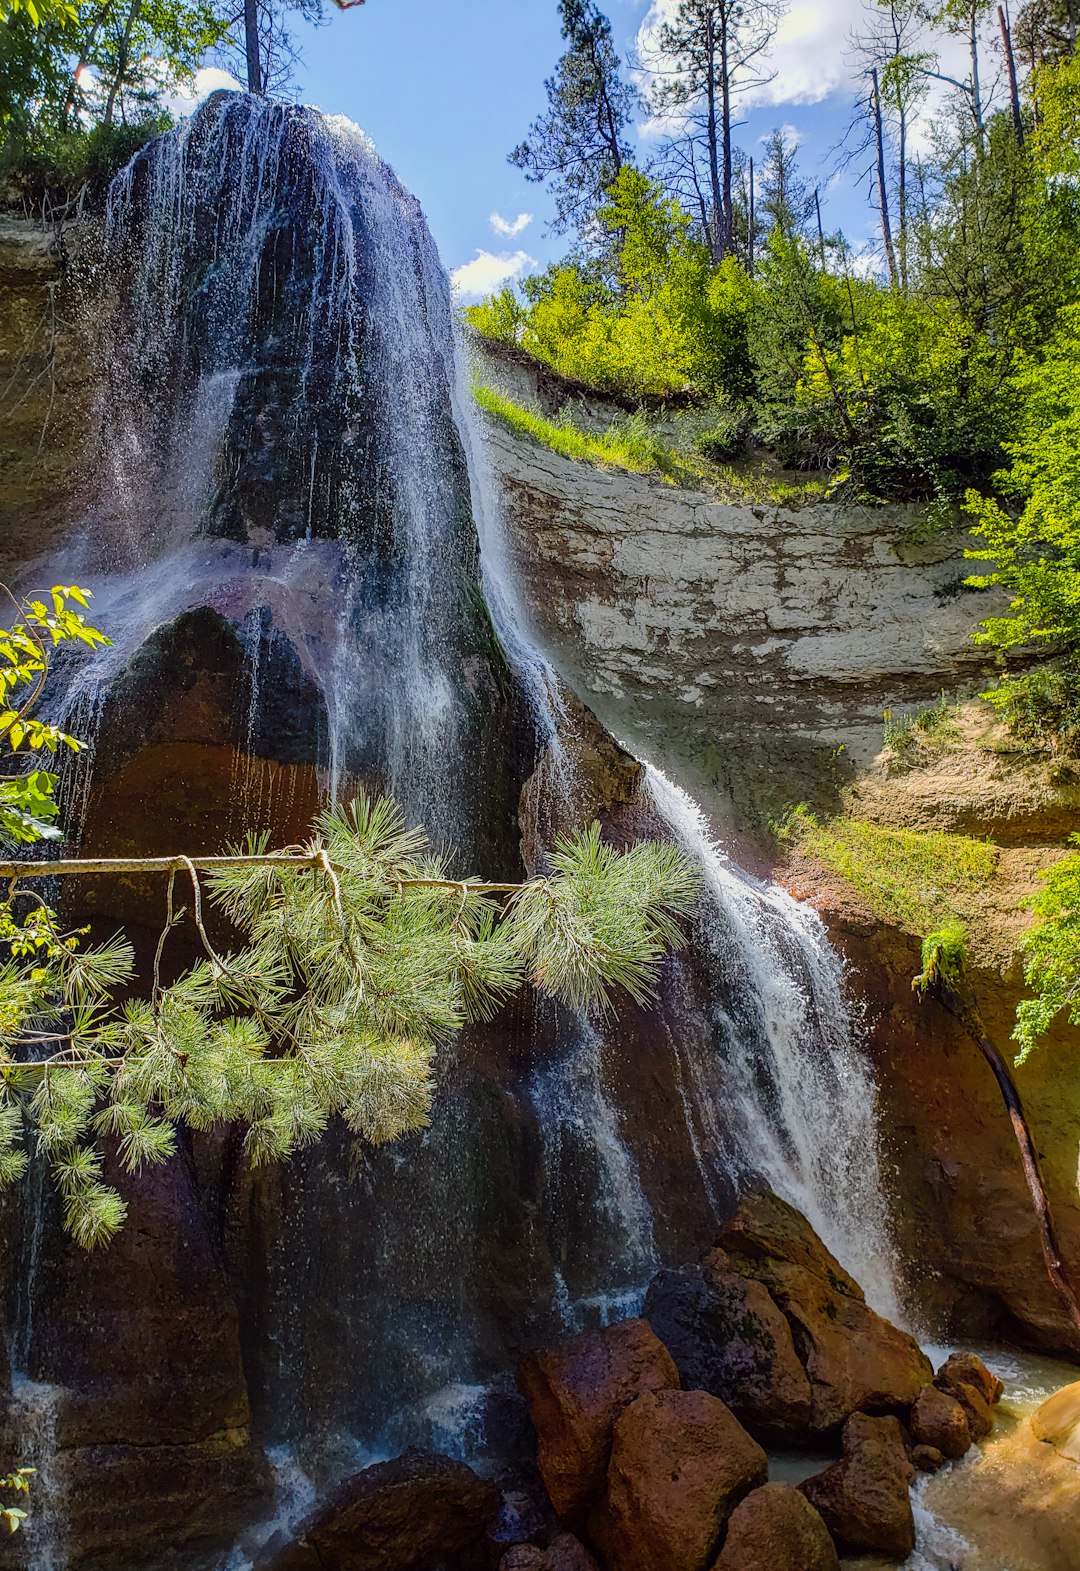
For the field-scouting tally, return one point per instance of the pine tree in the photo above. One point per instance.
(580, 145)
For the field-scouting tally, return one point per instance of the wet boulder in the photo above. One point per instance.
(680, 1464)
(575, 1395)
(938, 1420)
(564, 1553)
(777, 1529)
(966, 1379)
(928, 1459)
(856, 1360)
(728, 1337)
(864, 1499)
(1057, 1423)
(420, 1512)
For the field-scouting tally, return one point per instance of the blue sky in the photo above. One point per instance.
(446, 88)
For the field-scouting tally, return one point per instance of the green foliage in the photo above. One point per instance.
(1041, 705)
(912, 738)
(17, 1483)
(1035, 546)
(351, 972)
(627, 444)
(944, 958)
(1052, 954)
(27, 798)
(921, 880)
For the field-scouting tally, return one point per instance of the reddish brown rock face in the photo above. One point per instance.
(938, 1420)
(564, 1553)
(856, 1361)
(728, 1337)
(575, 1395)
(969, 1370)
(777, 1529)
(680, 1463)
(418, 1511)
(864, 1498)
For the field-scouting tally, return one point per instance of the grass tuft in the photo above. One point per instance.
(921, 880)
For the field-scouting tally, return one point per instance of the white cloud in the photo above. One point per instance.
(810, 54)
(487, 272)
(186, 96)
(509, 228)
(791, 134)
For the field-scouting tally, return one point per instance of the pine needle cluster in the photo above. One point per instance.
(348, 971)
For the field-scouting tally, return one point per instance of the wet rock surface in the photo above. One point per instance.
(420, 1512)
(1057, 1422)
(939, 1422)
(564, 1553)
(855, 1360)
(864, 1498)
(680, 1463)
(728, 1337)
(777, 1529)
(575, 1395)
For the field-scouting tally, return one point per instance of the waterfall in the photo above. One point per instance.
(786, 1043)
(290, 451)
(792, 1056)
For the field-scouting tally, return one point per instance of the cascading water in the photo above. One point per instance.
(291, 468)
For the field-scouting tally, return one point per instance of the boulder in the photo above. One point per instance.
(729, 1338)
(777, 1529)
(680, 1464)
(856, 1360)
(575, 1394)
(928, 1459)
(969, 1369)
(864, 1498)
(564, 1553)
(1057, 1422)
(970, 1396)
(418, 1512)
(938, 1420)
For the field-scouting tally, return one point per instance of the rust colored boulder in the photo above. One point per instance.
(1057, 1423)
(728, 1337)
(417, 1512)
(970, 1369)
(928, 1459)
(864, 1498)
(938, 1420)
(777, 1529)
(856, 1360)
(575, 1394)
(968, 1386)
(564, 1553)
(680, 1464)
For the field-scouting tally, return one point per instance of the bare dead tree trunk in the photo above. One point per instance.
(1010, 66)
(883, 190)
(820, 230)
(84, 59)
(957, 1000)
(751, 222)
(251, 46)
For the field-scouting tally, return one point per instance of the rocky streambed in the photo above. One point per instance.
(758, 1415)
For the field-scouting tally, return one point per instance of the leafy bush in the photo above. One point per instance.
(913, 737)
